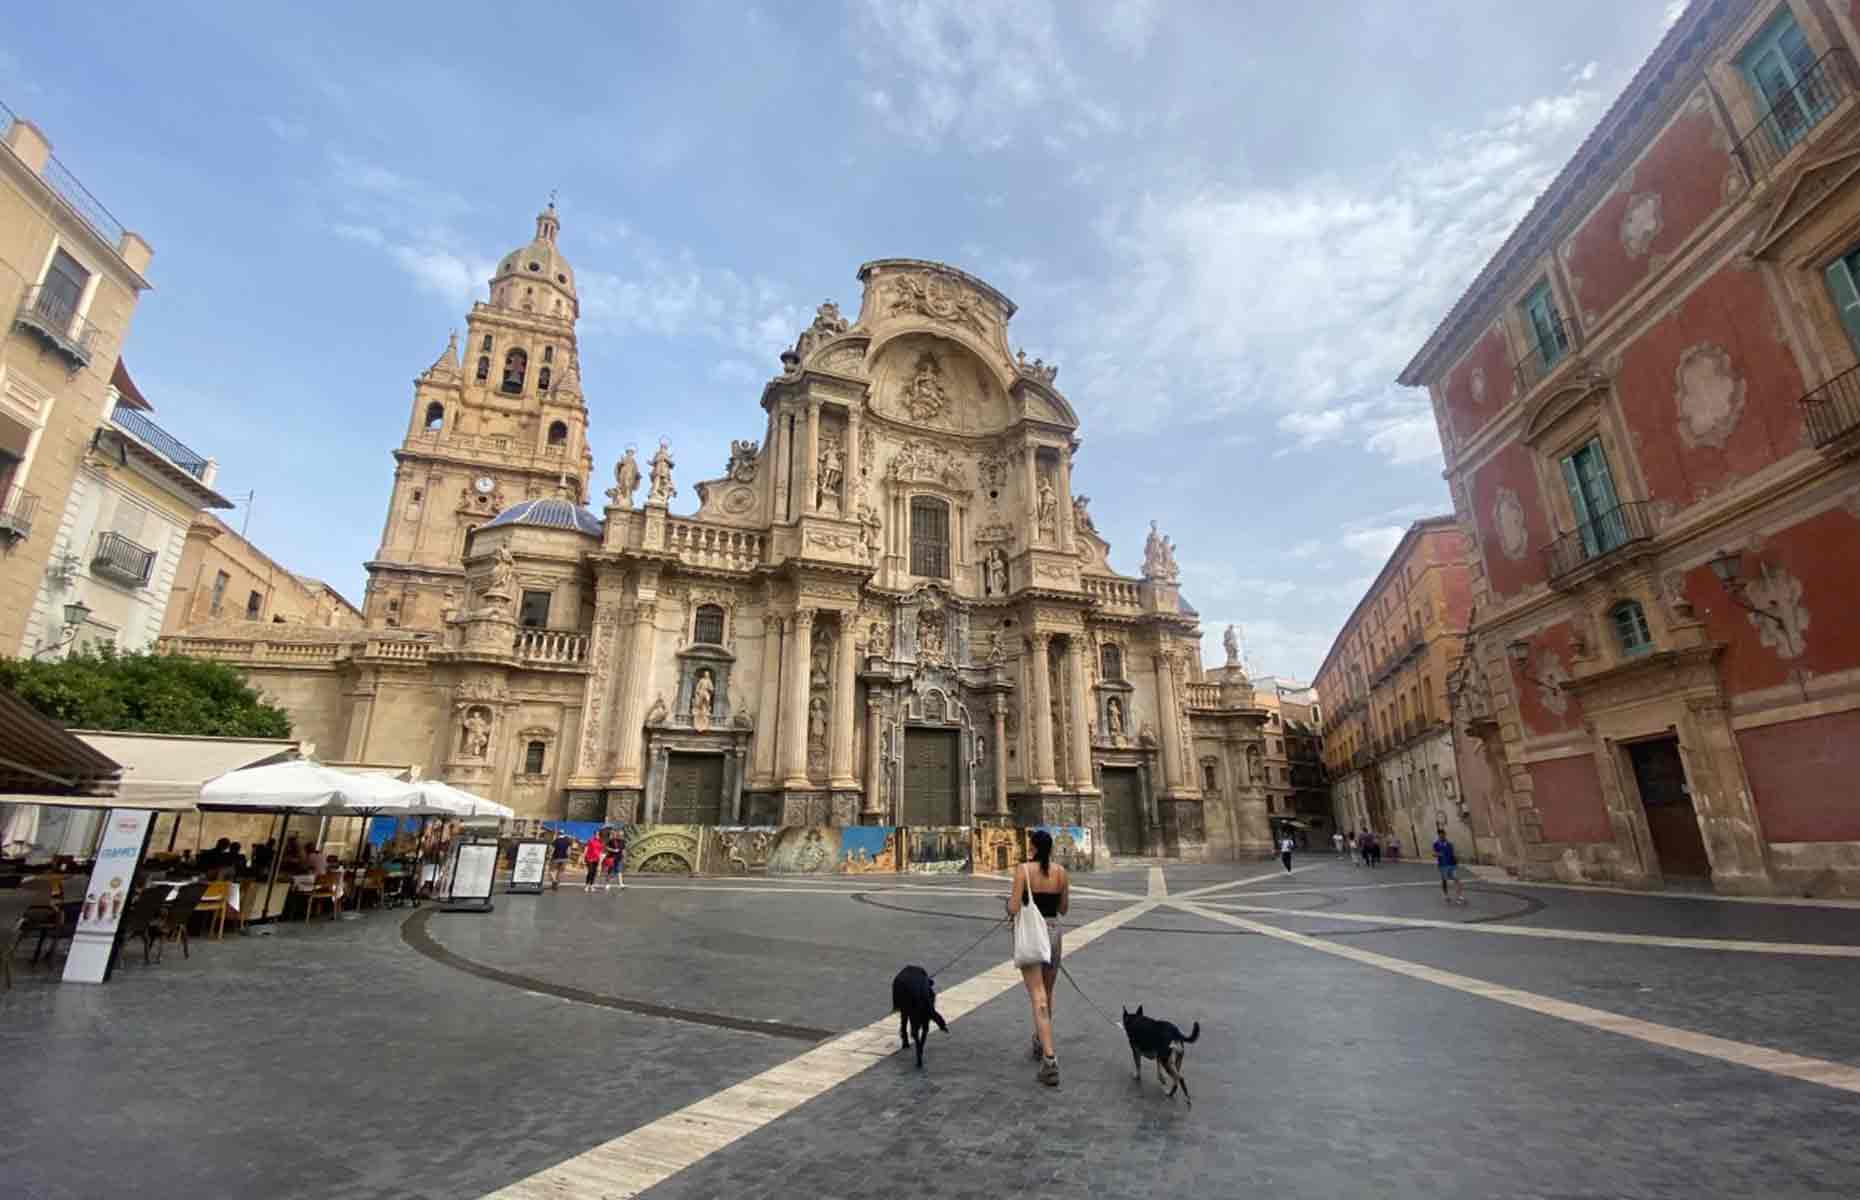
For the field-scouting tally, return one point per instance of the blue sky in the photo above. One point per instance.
(1230, 225)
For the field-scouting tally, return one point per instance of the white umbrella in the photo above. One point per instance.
(461, 803)
(22, 830)
(305, 786)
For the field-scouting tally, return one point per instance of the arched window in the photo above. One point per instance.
(533, 758)
(542, 380)
(486, 345)
(516, 366)
(929, 537)
(707, 625)
(435, 415)
(1113, 662)
(484, 368)
(1631, 628)
(548, 354)
(558, 432)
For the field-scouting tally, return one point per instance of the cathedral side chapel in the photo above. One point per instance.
(891, 608)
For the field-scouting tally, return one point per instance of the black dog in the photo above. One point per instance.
(1162, 1041)
(913, 998)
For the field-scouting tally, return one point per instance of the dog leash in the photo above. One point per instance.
(1116, 1024)
(986, 934)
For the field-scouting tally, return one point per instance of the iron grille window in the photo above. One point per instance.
(707, 627)
(1113, 662)
(929, 537)
(124, 561)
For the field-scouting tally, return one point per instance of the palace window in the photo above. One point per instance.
(1631, 629)
(1779, 66)
(929, 537)
(1210, 781)
(253, 604)
(533, 613)
(1843, 276)
(220, 580)
(63, 288)
(548, 354)
(533, 758)
(707, 625)
(558, 432)
(1113, 662)
(1548, 337)
(435, 415)
(1592, 498)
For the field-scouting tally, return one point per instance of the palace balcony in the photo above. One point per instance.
(553, 647)
(122, 561)
(1832, 411)
(714, 545)
(47, 316)
(1796, 113)
(1537, 362)
(137, 425)
(1612, 534)
(17, 508)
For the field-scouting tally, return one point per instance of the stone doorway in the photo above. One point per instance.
(1123, 810)
(1672, 822)
(932, 778)
(693, 790)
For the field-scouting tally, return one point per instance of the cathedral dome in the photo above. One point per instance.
(548, 513)
(534, 275)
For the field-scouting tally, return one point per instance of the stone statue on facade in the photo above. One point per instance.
(1048, 509)
(1230, 641)
(924, 395)
(475, 737)
(1159, 557)
(929, 634)
(662, 490)
(1081, 517)
(703, 696)
(830, 476)
(742, 464)
(503, 574)
(995, 573)
(657, 713)
(1114, 720)
(828, 324)
(626, 480)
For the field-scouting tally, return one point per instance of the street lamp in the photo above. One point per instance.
(1727, 565)
(1519, 652)
(76, 613)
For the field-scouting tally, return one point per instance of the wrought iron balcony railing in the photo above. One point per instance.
(122, 560)
(1619, 527)
(137, 425)
(72, 192)
(54, 321)
(1797, 111)
(1832, 410)
(1545, 354)
(17, 508)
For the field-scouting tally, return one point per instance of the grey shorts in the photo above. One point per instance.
(1057, 937)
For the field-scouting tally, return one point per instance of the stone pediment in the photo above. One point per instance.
(1813, 185)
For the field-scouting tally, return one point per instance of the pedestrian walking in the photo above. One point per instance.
(1336, 840)
(591, 858)
(616, 859)
(558, 858)
(1349, 845)
(1050, 890)
(1449, 864)
(1395, 848)
(1285, 851)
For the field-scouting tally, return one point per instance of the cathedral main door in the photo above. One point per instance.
(932, 780)
(1123, 811)
(693, 790)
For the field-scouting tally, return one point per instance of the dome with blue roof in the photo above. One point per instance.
(548, 513)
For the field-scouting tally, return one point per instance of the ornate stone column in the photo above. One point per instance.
(1041, 718)
(1064, 515)
(793, 769)
(999, 750)
(810, 466)
(769, 704)
(840, 737)
(1030, 465)
(1079, 736)
(874, 764)
(1169, 714)
(630, 744)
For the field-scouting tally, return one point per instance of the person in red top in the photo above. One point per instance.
(592, 858)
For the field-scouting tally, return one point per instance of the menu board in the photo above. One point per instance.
(527, 874)
(474, 865)
(125, 835)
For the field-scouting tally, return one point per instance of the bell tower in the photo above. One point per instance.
(495, 420)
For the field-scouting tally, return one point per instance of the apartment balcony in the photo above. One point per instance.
(1832, 411)
(137, 425)
(1540, 359)
(17, 508)
(1611, 535)
(122, 561)
(48, 317)
(1797, 112)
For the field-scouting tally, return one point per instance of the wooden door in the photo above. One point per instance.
(693, 790)
(1671, 819)
(931, 778)
(1123, 811)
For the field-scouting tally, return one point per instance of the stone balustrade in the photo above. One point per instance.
(1204, 695)
(552, 646)
(399, 650)
(714, 545)
(1113, 593)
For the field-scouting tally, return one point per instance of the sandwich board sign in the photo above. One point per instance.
(474, 868)
(93, 947)
(527, 873)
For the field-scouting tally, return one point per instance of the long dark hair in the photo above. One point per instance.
(1042, 848)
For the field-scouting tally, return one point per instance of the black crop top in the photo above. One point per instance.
(1046, 902)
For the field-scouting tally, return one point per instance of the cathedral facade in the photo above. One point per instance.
(890, 609)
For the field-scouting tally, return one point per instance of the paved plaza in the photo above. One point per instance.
(712, 1037)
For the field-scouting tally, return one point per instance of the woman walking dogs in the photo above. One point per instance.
(1050, 891)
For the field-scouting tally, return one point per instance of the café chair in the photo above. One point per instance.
(325, 890)
(173, 921)
(373, 880)
(213, 907)
(142, 920)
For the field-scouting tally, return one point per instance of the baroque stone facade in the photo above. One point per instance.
(892, 608)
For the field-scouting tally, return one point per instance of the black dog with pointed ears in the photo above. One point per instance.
(913, 998)
(1162, 1041)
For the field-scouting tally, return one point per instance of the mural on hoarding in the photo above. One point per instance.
(1071, 846)
(800, 850)
(865, 849)
(940, 850)
(997, 848)
(664, 849)
(739, 849)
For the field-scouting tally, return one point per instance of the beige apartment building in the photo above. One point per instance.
(1293, 774)
(224, 577)
(1395, 763)
(70, 277)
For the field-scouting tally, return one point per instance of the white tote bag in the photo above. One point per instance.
(1031, 945)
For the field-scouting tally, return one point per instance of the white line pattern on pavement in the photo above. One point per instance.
(654, 1152)
(1158, 885)
(1759, 1058)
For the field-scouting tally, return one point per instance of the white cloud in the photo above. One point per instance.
(1306, 299)
(670, 293)
(1669, 16)
(1126, 24)
(1375, 543)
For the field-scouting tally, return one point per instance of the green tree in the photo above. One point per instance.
(143, 692)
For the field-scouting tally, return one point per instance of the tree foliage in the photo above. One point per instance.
(144, 692)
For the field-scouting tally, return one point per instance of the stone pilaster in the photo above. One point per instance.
(628, 726)
(1078, 738)
(874, 763)
(1041, 718)
(840, 757)
(793, 766)
(1169, 715)
(999, 749)
(769, 702)
(810, 462)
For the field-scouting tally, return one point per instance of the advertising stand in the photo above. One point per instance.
(93, 947)
(470, 876)
(527, 873)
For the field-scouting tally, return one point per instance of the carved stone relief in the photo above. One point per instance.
(1709, 395)
(935, 296)
(1640, 223)
(1508, 518)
